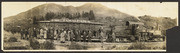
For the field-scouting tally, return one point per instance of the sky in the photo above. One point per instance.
(157, 9)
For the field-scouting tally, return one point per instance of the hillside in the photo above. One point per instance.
(102, 14)
(164, 22)
(24, 19)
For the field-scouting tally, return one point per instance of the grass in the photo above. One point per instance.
(138, 46)
(76, 46)
(7, 35)
(34, 44)
(143, 46)
(47, 45)
(12, 39)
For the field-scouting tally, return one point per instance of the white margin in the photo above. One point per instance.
(74, 50)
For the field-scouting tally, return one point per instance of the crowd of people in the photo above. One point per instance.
(64, 34)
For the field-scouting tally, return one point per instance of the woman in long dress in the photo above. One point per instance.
(113, 37)
(45, 33)
(62, 39)
(55, 34)
(41, 33)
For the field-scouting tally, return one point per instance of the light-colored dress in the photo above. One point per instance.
(63, 36)
(102, 36)
(45, 34)
(114, 37)
(55, 34)
(41, 33)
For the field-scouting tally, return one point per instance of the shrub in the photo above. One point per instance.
(75, 46)
(34, 44)
(12, 39)
(138, 46)
(47, 45)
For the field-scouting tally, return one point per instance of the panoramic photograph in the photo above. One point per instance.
(91, 26)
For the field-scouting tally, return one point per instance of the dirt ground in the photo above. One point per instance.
(105, 45)
(87, 45)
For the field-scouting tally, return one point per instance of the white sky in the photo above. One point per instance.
(165, 9)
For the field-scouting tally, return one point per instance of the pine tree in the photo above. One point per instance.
(91, 15)
(49, 15)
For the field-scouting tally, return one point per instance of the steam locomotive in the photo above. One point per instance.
(135, 31)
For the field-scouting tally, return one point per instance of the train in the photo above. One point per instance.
(132, 31)
(135, 31)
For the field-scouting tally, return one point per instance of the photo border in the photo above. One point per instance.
(82, 50)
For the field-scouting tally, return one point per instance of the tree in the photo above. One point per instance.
(91, 15)
(49, 15)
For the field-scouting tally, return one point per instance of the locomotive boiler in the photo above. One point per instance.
(136, 31)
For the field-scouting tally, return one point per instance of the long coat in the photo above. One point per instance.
(72, 35)
(84, 35)
(90, 34)
(31, 32)
(77, 35)
(68, 35)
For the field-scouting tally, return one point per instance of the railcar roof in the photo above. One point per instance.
(70, 21)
